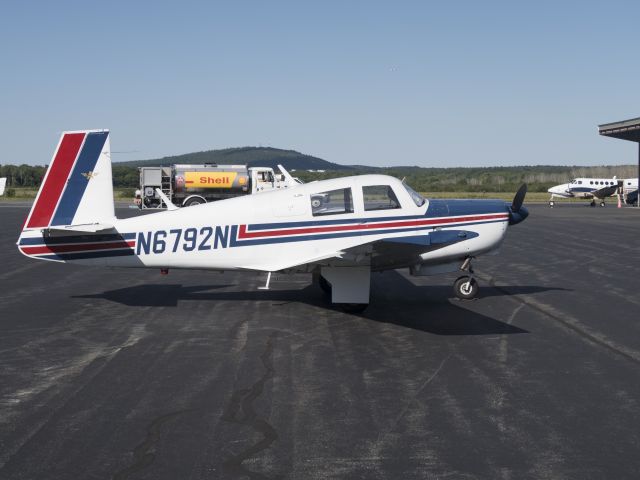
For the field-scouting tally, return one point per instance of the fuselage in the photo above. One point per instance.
(582, 187)
(286, 230)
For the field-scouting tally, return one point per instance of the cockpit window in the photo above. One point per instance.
(379, 197)
(333, 202)
(415, 196)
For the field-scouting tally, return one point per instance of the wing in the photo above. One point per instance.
(605, 192)
(394, 252)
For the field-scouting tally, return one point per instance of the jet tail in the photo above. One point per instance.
(77, 190)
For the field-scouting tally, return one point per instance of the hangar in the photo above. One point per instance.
(624, 130)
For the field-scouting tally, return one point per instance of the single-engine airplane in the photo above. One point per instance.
(339, 230)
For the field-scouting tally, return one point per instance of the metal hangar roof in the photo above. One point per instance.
(625, 130)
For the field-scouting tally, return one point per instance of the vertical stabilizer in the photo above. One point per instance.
(77, 188)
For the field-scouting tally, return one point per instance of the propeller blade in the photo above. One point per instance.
(519, 198)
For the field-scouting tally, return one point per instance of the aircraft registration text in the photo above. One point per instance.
(179, 239)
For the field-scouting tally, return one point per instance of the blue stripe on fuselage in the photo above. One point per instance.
(235, 242)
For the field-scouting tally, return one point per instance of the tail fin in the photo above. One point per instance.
(77, 189)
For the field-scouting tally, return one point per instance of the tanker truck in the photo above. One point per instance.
(187, 185)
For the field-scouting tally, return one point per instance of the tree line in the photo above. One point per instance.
(25, 176)
(462, 179)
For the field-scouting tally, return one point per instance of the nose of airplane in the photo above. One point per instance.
(519, 216)
(517, 213)
(559, 189)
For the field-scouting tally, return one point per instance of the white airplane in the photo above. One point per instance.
(360, 225)
(587, 188)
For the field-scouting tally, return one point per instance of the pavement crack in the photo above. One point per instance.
(144, 453)
(241, 411)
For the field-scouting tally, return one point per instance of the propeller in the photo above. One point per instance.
(517, 213)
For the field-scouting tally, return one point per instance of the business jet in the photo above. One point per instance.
(361, 224)
(587, 188)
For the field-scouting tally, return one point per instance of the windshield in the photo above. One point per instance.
(415, 196)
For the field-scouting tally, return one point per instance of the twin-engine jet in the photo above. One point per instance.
(339, 230)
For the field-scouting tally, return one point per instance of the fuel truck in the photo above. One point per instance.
(187, 185)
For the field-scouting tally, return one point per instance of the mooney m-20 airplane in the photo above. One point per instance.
(587, 188)
(339, 230)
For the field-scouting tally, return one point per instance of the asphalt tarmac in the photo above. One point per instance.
(127, 374)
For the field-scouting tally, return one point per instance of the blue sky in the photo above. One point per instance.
(378, 83)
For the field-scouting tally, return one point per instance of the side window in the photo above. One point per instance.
(333, 202)
(580, 182)
(379, 197)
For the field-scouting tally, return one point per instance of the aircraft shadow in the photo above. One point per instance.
(434, 308)
(395, 300)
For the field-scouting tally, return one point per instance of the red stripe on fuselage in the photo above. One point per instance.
(55, 180)
(76, 248)
(243, 234)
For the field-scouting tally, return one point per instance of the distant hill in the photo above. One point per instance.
(251, 156)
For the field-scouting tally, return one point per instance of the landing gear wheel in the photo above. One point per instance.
(193, 201)
(466, 288)
(602, 204)
(593, 203)
(551, 203)
(353, 307)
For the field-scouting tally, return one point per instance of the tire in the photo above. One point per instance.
(193, 201)
(353, 307)
(602, 204)
(466, 288)
(551, 204)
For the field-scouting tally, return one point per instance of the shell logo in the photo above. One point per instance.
(209, 179)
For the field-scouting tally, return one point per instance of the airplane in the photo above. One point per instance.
(587, 188)
(362, 224)
(3, 183)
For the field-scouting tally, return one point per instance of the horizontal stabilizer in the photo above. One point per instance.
(87, 228)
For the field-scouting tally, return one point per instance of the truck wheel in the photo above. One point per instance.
(193, 201)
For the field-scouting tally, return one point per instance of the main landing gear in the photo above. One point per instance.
(466, 287)
(347, 288)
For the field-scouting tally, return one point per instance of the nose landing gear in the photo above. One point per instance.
(466, 287)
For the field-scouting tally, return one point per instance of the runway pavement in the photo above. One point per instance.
(127, 374)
